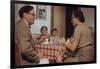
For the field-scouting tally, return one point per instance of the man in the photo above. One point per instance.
(23, 37)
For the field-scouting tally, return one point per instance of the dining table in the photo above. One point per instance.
(52, 51)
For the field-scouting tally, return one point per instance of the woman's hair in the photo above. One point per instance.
(43, 28)
(54, 29)
(79, 14)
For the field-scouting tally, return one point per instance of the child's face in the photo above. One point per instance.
(54, 33)
(44, 31)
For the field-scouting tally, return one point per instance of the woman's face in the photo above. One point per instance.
(74, 21)
(44, 31)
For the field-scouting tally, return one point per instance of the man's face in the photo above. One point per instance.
(31, 17)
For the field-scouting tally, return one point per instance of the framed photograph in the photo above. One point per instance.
(41, 12)
(52, 34)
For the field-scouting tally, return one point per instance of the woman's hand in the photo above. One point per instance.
(67, 43)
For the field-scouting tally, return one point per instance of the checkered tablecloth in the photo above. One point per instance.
(52, 51)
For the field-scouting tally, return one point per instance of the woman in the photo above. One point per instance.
(80, 49)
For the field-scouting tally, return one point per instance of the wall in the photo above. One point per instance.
(59, 19)
(39, 23)
(89, 16)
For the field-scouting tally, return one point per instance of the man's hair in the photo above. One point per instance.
(79, 14)
(25, 9)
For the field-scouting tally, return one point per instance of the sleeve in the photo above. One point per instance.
(26, 45)
(77, 34)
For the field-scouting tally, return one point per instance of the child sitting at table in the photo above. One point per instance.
(43, 38)
(55, 38)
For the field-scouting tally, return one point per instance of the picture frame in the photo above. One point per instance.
(41, 12)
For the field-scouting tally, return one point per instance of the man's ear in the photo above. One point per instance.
(25, 15)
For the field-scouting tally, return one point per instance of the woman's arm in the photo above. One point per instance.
(71, 46)
(75, 40)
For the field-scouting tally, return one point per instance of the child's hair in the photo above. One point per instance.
(43, 27)
(54, 29)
